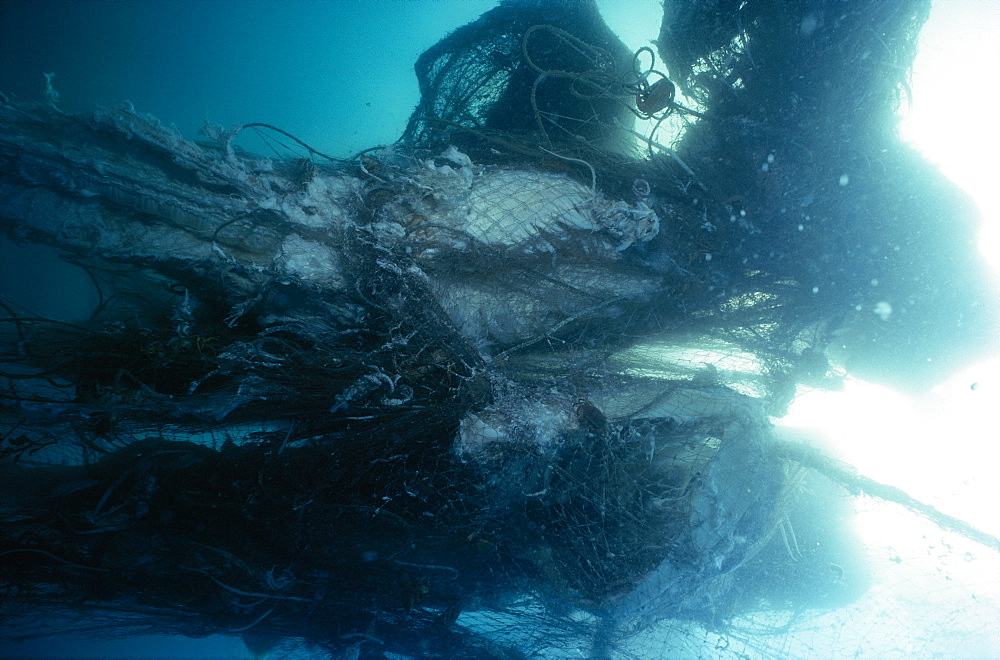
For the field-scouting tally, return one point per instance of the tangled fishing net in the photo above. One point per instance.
(502, 389)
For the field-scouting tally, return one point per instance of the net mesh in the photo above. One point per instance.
(503, 389)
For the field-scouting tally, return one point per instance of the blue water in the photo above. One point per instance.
(337, 74)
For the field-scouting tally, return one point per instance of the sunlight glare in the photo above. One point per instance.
(952, 118)
(940, 448)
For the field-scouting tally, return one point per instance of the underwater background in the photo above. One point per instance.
(339, 75)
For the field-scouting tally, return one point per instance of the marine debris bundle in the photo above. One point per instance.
(499, 389)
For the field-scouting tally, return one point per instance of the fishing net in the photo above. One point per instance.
(503, 389)
(552, 68)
